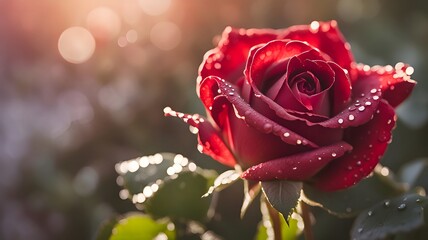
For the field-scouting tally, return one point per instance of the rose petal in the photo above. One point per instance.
(325, 36)
(369, 143)
(297, 167)
(395, 83)
(273, 53)
(341, 90)
(227, 60)
(209, 139)
(251, 117)
(360, 110)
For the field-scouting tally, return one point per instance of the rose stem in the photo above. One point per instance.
(306, 216)
(275, 220)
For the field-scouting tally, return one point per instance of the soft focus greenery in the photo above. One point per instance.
(64, 126)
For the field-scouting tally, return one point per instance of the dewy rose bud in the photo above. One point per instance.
(292, 104)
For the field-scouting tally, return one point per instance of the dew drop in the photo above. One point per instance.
(319, 158)
(231, 93)
(351, 117)
(368, 103)
(340, 121)
(287, 134)
(375, 97)
(374, 90)
(352, 108)
(294, 168)
(370, 213)
(401, 207)
(299, 142)
(257, 95)
(267, 127)
(362, 108)
(217, 65)
(386, 203)
(333, 154)
(358, 163)
(389, 121)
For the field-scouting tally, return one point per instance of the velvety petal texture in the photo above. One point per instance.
(292, 104)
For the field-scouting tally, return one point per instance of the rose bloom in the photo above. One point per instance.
(292, 104)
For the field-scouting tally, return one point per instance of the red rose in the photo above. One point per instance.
(292, 104)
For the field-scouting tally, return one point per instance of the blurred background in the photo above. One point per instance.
(83, 85)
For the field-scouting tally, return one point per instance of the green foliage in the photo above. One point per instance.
(389, 217)
(353, 200)
(282, 195)
(140, 227)
(167, 185)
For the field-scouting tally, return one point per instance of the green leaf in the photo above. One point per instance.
(351, 201)
(289, 231)
(140, 227)
(106, 228)
(222, 181)
(282, 195)
(180, 197)
(389, 217)
(167, 185)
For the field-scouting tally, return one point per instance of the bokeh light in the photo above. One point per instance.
(154, 7)
(165, 35)
(76, 45)
(103, 23)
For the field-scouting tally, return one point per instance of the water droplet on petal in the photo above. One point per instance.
(333, 154)
(294, 168)
(401, 207)
(368, 103)
(375, 97)
(340, 120)
(370, 213)
(374, 90)
(299, 142)
(351, 117)
(287, 134)
(362, 108)
(267, 127)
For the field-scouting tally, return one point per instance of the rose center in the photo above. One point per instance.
(305, 83)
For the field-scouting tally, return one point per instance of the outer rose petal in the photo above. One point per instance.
(369, 142)
(325, 36)
(297, 167)
(228, 59)
(395, 83)
(211, 141)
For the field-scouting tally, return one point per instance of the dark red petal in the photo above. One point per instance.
(395, 83)
(341, 90)
(273, 53)
(254, 119)
(325, 36)
(360, 110)
(228, 59)
(297, 167)
(208, 137)
(369, 143)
